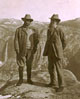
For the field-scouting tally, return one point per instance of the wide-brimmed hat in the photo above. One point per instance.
(27, 17)
(55, 17)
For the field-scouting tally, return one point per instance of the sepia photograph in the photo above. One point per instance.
(39, 49)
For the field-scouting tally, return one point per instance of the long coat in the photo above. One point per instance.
(20, 41)
(55, 43)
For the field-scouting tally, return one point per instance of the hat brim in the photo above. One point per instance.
(55, 19)
(26, 19)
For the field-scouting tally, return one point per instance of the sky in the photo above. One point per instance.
(40, 10)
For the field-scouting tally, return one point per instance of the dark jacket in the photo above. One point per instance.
(55, 43)
(20, 41)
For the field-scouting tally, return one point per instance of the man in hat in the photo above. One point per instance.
(54, 47)
(25, 43)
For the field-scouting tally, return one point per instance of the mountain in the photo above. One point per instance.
(40, 75)
(71, 29)
(72, 23)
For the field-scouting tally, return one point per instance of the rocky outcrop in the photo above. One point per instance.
(72, 56)
(39, 90)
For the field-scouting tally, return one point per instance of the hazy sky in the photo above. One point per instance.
(40, 10)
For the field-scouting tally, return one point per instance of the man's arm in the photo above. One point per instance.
(63, 39)
(36, 41)
(16, 44)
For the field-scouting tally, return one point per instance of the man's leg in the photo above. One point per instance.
(20, 76)
(52, 72)
(21, 64)
(50, 69)
(60, 74)
(29, 61)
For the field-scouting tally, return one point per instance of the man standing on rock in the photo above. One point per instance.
(25, 43)
(54, 47)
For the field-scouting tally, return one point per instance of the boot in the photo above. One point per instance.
(60, 89)
(20, 76)
(29, 81)
(52, 82)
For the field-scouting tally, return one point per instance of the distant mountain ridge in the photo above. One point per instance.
(72, 32)
(75, 23)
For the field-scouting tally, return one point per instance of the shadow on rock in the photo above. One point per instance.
(8, 83)
(39, 84)
(14, 82)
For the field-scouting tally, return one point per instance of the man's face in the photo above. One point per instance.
(27, 22)
(54, 23)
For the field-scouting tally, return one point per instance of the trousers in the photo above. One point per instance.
(55, 71)
(26, 60)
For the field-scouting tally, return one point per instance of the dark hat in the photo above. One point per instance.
(27, 17)
(55, 17)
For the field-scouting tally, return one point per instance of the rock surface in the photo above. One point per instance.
(40, 76)
(72, 51)
(39, 89)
